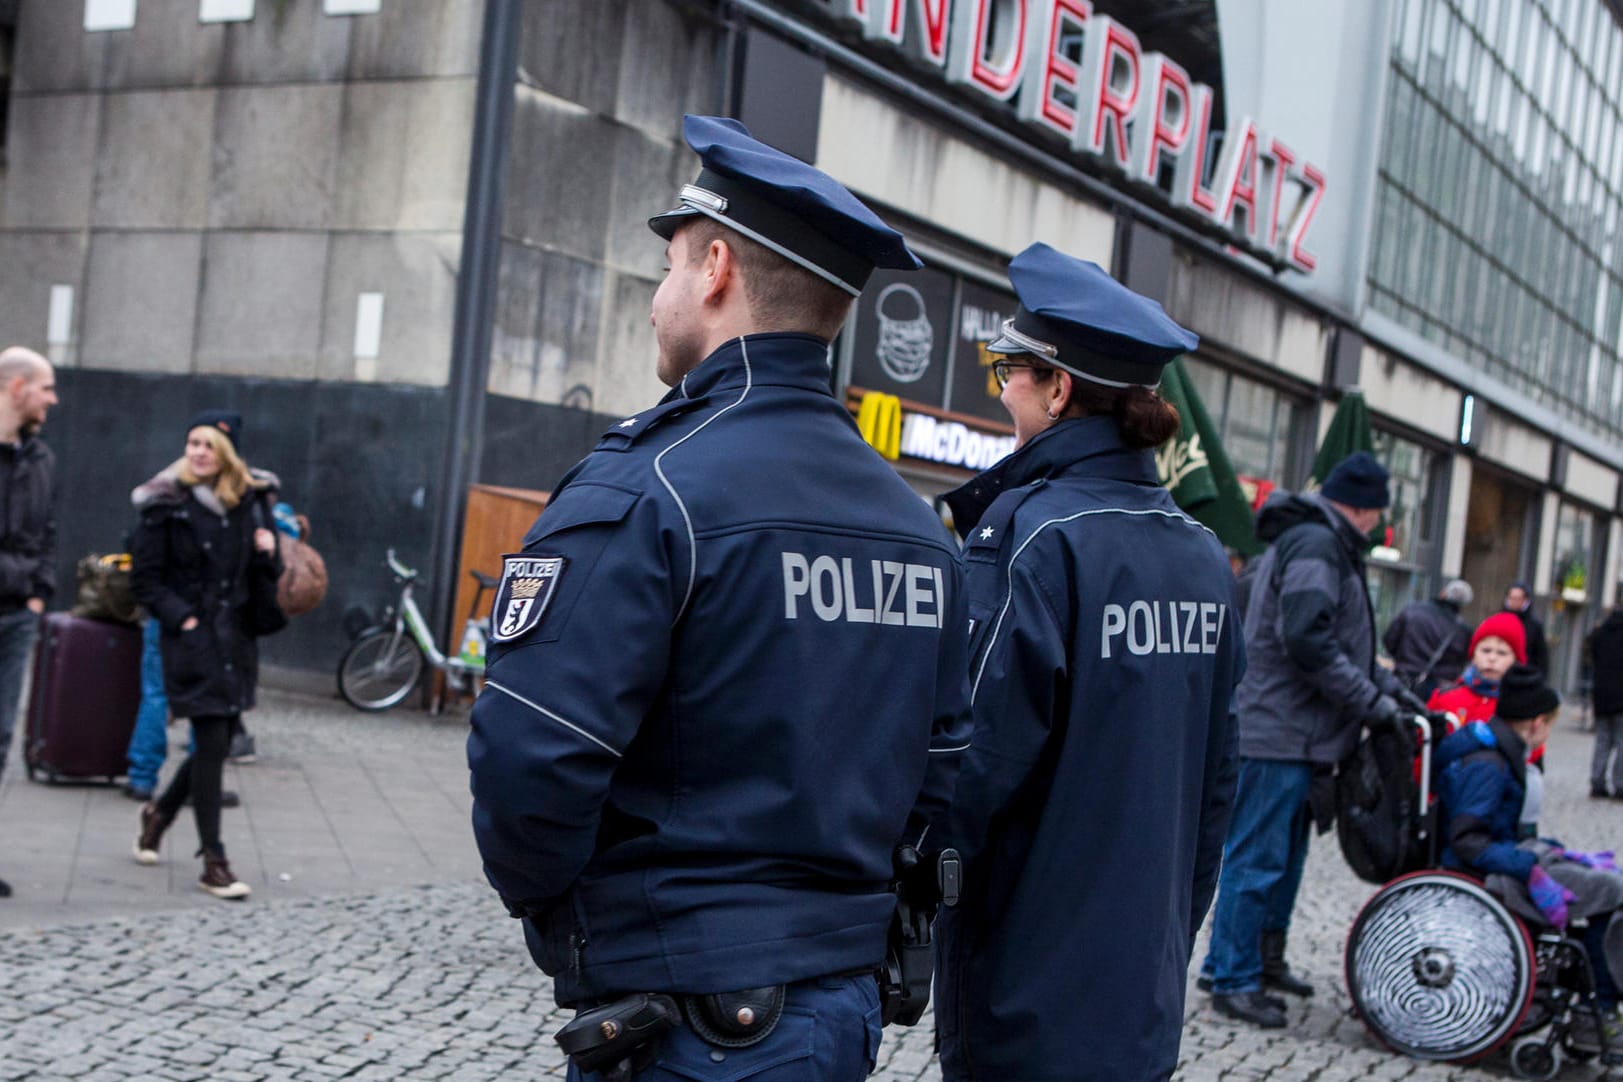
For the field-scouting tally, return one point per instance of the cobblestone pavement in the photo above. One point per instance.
(431, 982)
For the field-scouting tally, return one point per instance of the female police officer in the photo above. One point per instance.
(1091, 806)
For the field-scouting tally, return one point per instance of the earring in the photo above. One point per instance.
(1052, 416)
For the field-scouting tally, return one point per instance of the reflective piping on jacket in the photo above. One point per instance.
(960, 747)
(693, 544)
(543, 711)
(1009, 598)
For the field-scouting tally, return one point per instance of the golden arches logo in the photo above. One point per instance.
(879, 419)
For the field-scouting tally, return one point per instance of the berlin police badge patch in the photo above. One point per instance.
(528, 583)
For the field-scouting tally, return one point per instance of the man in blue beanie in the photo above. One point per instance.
(1310, 683)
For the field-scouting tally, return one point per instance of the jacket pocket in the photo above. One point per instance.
(188, 656)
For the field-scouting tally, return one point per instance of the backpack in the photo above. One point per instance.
(1376, 807)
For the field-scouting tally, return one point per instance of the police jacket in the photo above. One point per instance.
(1481, 784)
(1311, 676)
(1606, 662)
(27, 524)
(1092, 804)
(690, 770)
(192, 559)
(1428, 633)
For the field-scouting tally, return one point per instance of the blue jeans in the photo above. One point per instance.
(829, 1032)
(149, 743)
(18, 630)
(1262, 867)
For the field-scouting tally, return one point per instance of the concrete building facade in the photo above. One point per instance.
(263, 204)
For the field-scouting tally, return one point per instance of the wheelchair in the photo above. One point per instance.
(1439, 967)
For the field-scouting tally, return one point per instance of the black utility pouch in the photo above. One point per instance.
(735, 1019)
(619, 1037)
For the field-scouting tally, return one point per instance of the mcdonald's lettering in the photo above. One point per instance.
(951, 443)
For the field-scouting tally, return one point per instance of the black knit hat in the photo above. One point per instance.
(229, 423)
(1523, 694)
(1358, 481)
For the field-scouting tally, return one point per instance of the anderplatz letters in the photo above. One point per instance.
(1083, 81)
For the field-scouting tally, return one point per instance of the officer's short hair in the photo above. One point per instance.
(781, 295)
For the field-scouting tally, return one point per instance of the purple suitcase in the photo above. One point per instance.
(82, 702)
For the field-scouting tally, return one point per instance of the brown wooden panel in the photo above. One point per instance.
(496, 519)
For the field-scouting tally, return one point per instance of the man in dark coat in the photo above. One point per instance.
(27, 523)
(1605, 647)
(1428, 642)
(1311, 681)
(1519, 600)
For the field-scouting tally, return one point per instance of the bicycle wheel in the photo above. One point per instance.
(379, 670)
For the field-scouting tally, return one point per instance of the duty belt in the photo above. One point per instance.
(620, 1038)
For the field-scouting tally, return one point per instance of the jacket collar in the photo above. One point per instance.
(778, 360)
(1512, 748)
(1054, 452)
(1354, 542)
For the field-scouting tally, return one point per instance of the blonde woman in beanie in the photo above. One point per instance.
(205, 567)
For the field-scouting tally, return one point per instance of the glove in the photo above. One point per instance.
(1388, 712)
(1550, 897)
(1603, 861)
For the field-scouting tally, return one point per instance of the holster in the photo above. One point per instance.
(735, 1019)
(619, 1038)
(923, 884)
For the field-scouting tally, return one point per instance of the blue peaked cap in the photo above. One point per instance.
(779, 201)
(1075, 316)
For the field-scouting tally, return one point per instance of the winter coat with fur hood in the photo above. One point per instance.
(195, 558)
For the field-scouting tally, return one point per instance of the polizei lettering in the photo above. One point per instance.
(1161, 627)
(885, 592)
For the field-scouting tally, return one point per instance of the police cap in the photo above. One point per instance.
(779, 201)
(1075, 316)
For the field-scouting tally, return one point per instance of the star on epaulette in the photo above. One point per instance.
(986, 534)
(628, 422)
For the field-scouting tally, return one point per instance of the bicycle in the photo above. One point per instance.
(384, 663)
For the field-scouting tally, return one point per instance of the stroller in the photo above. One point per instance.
(1442, 966)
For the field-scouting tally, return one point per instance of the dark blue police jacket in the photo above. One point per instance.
(690, 773)
(1092, 804)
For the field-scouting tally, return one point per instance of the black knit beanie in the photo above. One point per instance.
(1523, 694)
(228, 422)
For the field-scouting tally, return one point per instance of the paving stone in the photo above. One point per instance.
(432, 982)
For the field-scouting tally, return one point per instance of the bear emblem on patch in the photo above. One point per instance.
(526, 587)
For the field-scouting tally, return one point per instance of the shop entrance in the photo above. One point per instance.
(1499, 539)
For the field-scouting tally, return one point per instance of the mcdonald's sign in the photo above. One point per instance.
(879, 419)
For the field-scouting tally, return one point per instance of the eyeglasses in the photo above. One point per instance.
(1001, 370)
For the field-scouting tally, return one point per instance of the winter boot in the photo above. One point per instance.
(1204, 984)
(217, 878)
(1275, 973)
(153, 823)
(1250, 1007)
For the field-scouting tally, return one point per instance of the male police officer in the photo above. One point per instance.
(729, 658)
(1091, 807)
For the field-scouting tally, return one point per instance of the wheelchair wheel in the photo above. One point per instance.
(1534, 1058)
(1437, 968)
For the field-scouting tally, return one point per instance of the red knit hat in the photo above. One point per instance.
(1503, 625)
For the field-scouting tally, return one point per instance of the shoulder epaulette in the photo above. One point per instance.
(990, 533)
(624, 434)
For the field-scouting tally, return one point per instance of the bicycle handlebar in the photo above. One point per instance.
(400, 569)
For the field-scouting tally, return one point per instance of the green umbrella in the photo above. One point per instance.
(1349, 432)
(1196, 469)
